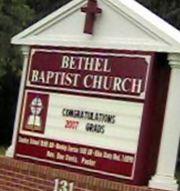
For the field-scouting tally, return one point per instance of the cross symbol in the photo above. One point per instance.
(91, 10)
(37, 109)
(36, 106)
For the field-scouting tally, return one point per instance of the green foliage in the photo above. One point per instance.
(14, 16)
(2, 150)
(44, 7)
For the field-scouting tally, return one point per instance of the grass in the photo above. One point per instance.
(2, 150)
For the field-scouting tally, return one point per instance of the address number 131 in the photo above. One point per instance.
(63, 185)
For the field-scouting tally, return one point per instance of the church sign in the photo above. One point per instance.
(93, 95)
(64, 120)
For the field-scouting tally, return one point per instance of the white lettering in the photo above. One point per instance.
(106, 69)
(42, 77)
(65, 62)
(117, 84)
(35, 75)
(63, 185)
(88, 64)
(97, 82)
(136, 86)
(88, 81)
(50, 76)
(88, 162)
(98, 65)
(76, 80)
(125, 86)
(107, 83)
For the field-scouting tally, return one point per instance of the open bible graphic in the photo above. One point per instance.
(34, 121)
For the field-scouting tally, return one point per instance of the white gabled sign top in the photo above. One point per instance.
(123, 24)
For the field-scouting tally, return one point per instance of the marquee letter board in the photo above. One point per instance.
(83, 109)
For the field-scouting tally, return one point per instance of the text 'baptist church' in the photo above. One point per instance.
(70, 71)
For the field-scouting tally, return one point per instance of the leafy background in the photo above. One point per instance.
(15, 15)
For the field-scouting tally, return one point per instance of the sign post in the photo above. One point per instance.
(170, 135)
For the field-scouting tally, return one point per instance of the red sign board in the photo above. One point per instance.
(66, 118)
(71, 155)
(112, 75)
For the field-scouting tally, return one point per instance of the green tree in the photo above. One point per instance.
(14, 16)
(44, 7)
